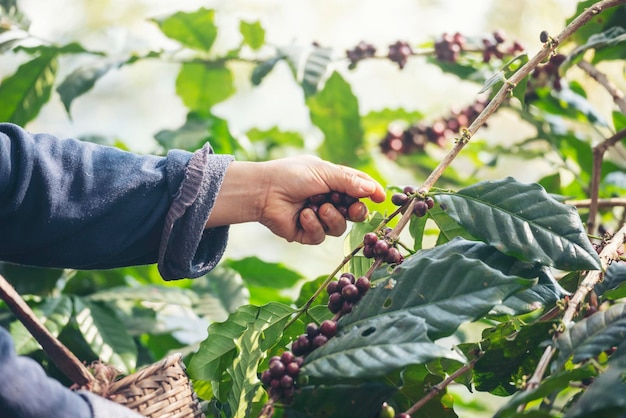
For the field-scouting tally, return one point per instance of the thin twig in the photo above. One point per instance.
(602, 79)
(598, 156)
(612, 202)
(607, 255)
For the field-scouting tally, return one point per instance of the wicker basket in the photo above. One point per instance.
(161, 390)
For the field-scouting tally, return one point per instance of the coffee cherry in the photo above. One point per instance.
(420, 208)
(286, 382)
(370, 238)
(275, 384)
(350, 293)
(292, 369)
(381, 247)
(393, 256)
(399, 53)
(312, 330)
(403, 415)
(386, 411)
(277, 369)
(430, 202)
(332, 288)
(346, 308)
(343, 282)
(399, 199)
(287, 357)
(328, 328)
(368, 252)
(543, 36)
(319, 341)
(266, 378)
(335, 302)
(409, 190)
(363, 284)
(349, 276)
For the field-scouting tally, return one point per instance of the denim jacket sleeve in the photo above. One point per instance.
(71, 204)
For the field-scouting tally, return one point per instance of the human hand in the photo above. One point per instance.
(274, 193)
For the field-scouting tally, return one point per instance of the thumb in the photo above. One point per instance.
(355, 183)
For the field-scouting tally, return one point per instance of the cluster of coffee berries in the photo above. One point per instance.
(379, 247)
(314, 337)
(399, 52)
(360, 52)
(345, 292)
(420, 207)
(449, 47)
(546, 75)
(387, 411)
(340, 201)
(281, 376)
(399, 141)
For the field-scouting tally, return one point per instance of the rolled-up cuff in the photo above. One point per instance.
(187, 249)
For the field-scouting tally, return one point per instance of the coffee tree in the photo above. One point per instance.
(536, 268)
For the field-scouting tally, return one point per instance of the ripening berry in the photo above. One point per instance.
(393, 256)
(346, 308)
(350, 293)
(332, 288)
(543, 36)
(386, 411)
(381, 247)
(399, 199)
(266, 378)
(370, 238)
(312, 330)
(292, 369)
(328, 328)
(349, 276)
(363, 284)
(430, 202)
(319, 341)
(277, 369)
(287, 357)
(420, 208)
(409, 190)
(286, 382)
(343, 282)
(335, 302)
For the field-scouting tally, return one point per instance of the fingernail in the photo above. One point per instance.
(368, 187)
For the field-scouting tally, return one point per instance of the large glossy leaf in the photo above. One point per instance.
(442, 285)
(257, 272)
(524, 221)
(201, 85)
(376, 347)
(614, 277)
(610, 37)
(339, 400)
(448, 228)
(54, 314)
(82, 79)
(220, 293)
(196, 132)
(26, 91)
(614, 16)
(218, 351)
(195, 30)
(101, 329)
(244, 372)
(335, 110)
(416, 382)
(604, 398)
(593, 335)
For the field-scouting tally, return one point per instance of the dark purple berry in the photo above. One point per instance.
(393, 256)
(335, 198)
(363, 284)
(420, 208)
(430, 202)
(409, 190)
(381, 247)
(499, 36)
(349, 276)
(286, 382)
(312, 330)
(304, 343)
(292, 369)
(343, 282)
(277, 369)
(346, 308)
(319, 341)
(368, 251)
(287, 357)
(350, 293)
(266, 378)
(275, 384)
(370, 238)
(543, 36)
(343, 211)
(335, 302)
(399, 199)
(332, 288)
(299, 361)
(328, 328)
(318, 199)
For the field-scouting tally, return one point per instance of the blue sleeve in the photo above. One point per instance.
(71, 204)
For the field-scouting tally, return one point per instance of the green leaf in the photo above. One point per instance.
(375, 347)
(551, 384)
(448, 228)
(376, 122)
(26, 91)
(593, 335)
(220, 293)
(263, 69)
(257, 272)
(545, 293)
(196, 132)
(524, 221)
(417, 226)
(244, 372)
(253, 34)
(339, 400)
(81, 80)
(614, 277)
(335, 110)
(608, 38)
(604, 398)
(619, 120)
(202, 85)
(441, 285)
(195, 30)
(101, 329)
(218, 351)
(71, 48)
(496, 81)
(510, 355)
(54, 314)
(610, 17)
(416, 383)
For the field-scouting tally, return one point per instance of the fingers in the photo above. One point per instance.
(313, 231)
(332, 219)
(357, 212)
(356, 183)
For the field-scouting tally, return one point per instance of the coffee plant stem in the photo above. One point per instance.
(603, 80)
(435, 390)
(500, 97)
(322, 287)
(612, 202)
(596, 174)
(607, 255)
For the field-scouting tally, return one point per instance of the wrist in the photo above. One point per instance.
(241, 195)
